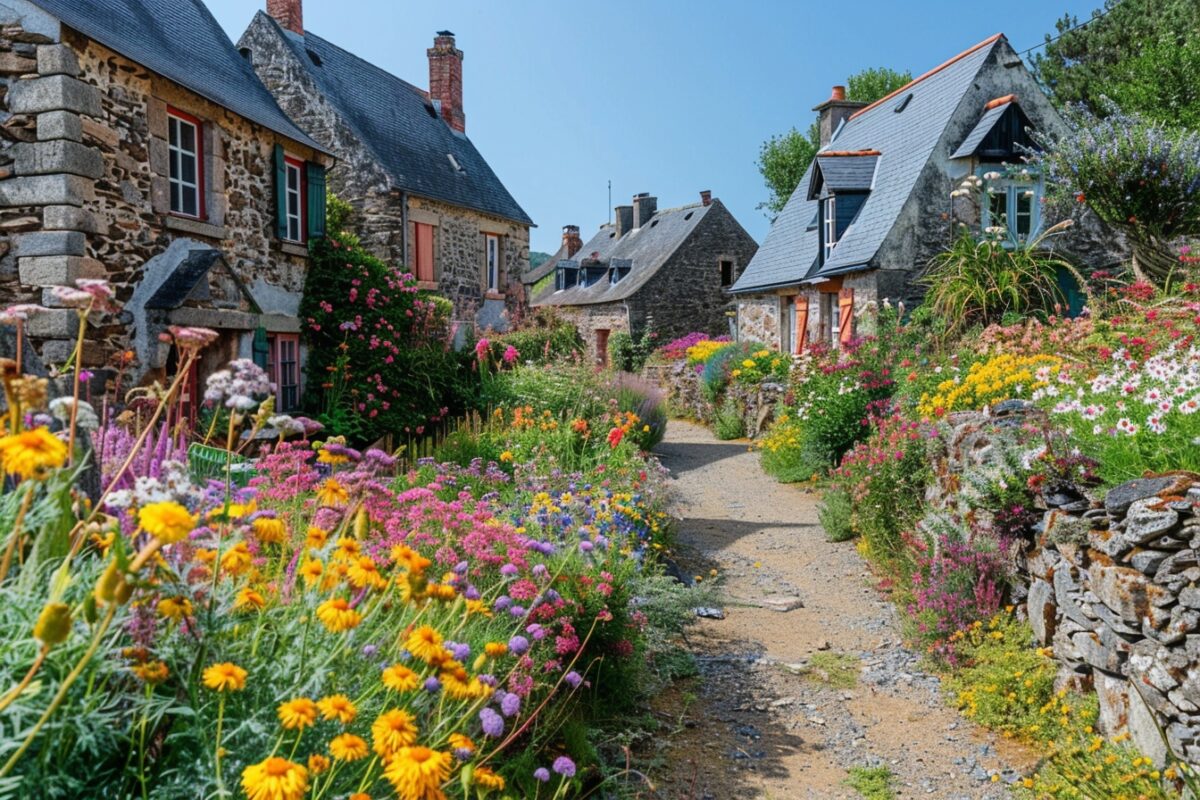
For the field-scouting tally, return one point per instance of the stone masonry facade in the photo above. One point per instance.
(84, 191)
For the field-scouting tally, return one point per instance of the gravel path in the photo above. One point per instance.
(769, 717)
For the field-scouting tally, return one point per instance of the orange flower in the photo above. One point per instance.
(391, 731)
(400, 678)
(225, 677)
(337, 615)
(339, 707)
(297, 714)
(348, 747)
(424, 643)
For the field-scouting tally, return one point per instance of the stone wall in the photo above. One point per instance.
(1112, 585)
(589, 320)
(84, 189)
(758, 319)
(681, 385)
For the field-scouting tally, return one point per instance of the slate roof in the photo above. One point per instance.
(180, 40)
(981, 130)
(906, 141)
(845, 173)
(646, 249)
(398, 123)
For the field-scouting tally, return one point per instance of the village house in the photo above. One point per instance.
(139, 147)
(667, 271)
(882, 197)
(424, 195)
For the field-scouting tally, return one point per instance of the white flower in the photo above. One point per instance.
(1092, 411)
(991, 176)
(85, 417)
(1155, 423)
(1190, 406)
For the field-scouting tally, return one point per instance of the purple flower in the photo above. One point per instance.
(564, 766)
(509, 570)
(471, 593)
(493, 723)
(585, 546)
(502, 602)
(461, 651)
(510, 706)
(573, 678)
(518, 645)
(517, 611)
(540, 570)
(432, 685)
(542, 774)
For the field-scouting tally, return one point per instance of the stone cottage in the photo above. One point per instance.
(138, 146)
(425, 196)
(666, 270)
(881, 197)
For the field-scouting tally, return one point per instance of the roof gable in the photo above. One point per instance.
(905, 127)
(180, 40)
(399, 124)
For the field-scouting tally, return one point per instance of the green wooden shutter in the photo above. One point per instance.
(281, 229)
(260, 347)
(316, 200)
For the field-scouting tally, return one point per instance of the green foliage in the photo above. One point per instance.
(1143, 54)
(979, 281)
(873, 783)
(836, 515)
(339, 216)
(542, 337)
(783, 159)
(379, 353)
(837, 670)
(629, 354)
(537, 258)
(727, 420)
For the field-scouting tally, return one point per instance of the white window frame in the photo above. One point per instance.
(829, 220)
(491, 258)
(294, 192)
(1014, 189)
(176, 153)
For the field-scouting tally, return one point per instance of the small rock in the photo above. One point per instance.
(783, 603)
(707, 612)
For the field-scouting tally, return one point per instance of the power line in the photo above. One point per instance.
(1053, 39)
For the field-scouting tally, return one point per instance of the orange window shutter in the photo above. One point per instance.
(801, 323)
(424, 251)
(845, 315)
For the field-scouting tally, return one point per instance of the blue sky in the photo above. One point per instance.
(662, 96)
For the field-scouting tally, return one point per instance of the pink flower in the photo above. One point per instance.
(481, 349)
(510, 354)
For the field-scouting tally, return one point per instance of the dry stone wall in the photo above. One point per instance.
(1112, 585)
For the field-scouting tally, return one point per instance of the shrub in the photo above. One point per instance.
(629, 354)
(1140, 176)
(728, 422)
(645, 400)
(541, 338)
(836, 514)
(379, 354)
(873, 783)
(761, 365)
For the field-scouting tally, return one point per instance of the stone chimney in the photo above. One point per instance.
(644, 207)
(572, 242)
(706, 197)
(834, 110)
(288, 13)
(624, 219)
(445, 79)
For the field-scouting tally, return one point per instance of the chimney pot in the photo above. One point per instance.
(839, 93)
(833, 111)
(572, 242)
(288, 13)
(706, 197)
(624, 219)
(446, 79)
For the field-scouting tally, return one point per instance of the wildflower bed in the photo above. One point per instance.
(336, 628)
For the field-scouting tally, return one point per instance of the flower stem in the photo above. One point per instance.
(217, 751)
(16, 534)
(83, 315)
(15, 692)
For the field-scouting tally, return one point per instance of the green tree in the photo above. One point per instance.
(1141, 54)
(783, 159)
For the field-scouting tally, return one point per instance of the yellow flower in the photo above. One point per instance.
(424, 643)
(459, 741)
(167, 521)
(248, 598)
(363, 573)
(337, 615)
(348, 747)
(31, 454)
(152, 671)
(311, 571)
(270, 530)
(225, 677)
(400, 678)
(417, 773)
(332, 494)
(391, 731)
(506, 456)
(317, 763)
(175, 608)
(748, 363)
(339, 707)
(275, 779)
(315, 538)
(297, 714)
(495, 649)
(488, 781)
(237, 559)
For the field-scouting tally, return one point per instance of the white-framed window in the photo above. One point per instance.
(294, 198)
(1011, 205)
(185, 155)
(492, 261)
(830, 225)
(283, 368)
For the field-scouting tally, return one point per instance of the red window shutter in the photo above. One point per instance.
(801, 323)
(423, 251)
(845, 315)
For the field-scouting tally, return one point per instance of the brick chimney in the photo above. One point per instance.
(445, 79)
(644, 207)
(288, 13)
(624, 219)
(706, 197)
(572, 242)
(833, 111)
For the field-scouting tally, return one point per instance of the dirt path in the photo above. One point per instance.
(790, 699)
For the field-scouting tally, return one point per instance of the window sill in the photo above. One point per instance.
(294, 249)
(431, 286)
(494, 296)
(195, 227)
